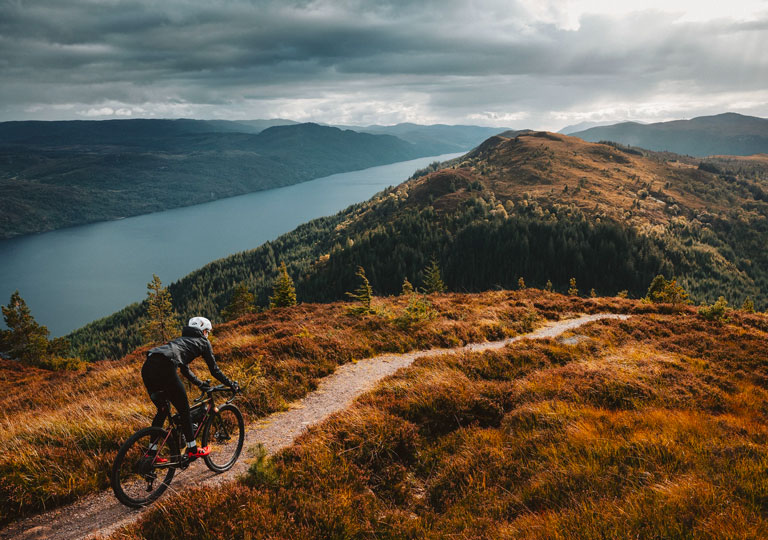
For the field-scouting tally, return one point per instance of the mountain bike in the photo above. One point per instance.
(141, 474)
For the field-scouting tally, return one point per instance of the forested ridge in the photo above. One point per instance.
(544, 207)
(59, 174)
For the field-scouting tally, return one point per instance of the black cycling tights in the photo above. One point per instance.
(159, 373)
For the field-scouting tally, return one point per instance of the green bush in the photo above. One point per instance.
(716, 312)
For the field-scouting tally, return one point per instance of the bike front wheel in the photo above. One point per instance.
(139, 474)
(225, 434)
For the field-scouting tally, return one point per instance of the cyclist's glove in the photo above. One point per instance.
(234, 386)
(205, 387)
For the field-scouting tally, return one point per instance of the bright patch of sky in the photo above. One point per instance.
(567, 14)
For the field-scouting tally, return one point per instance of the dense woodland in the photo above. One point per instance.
(483, 238)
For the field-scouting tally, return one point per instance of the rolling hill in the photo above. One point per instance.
(537, 205)
(722, 134)
(582, 126)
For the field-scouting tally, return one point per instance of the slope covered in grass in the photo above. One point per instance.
(653, 427)
(63, 429)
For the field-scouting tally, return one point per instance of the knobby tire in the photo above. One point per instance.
(225, 434)
(135, 479)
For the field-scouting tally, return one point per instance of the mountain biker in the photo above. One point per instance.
(159, 373)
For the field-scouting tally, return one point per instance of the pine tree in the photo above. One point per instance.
(433, 282)
(162, 321)
(666, 292)
(572, 289)
(407, 288)
(242, 303)
(656, 289)
(548, 286)
(676, 294)
(520, 283)
(284, 292)
(592, 293)
(25, 340)
(363, 295)
(748, 306)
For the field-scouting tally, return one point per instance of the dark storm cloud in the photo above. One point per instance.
(460, 57)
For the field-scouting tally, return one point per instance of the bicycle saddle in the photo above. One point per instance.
(159, 398)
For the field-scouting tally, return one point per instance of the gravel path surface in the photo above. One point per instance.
(102, 514)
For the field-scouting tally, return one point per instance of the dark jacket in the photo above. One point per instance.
(181, 351)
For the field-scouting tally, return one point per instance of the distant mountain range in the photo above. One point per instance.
(58, 174)
(722, 134)
(581, 126)
(440, 138)
(537, 205)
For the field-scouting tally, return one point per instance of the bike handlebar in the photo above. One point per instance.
(211, 389)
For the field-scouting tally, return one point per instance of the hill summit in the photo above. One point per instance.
(544, 207)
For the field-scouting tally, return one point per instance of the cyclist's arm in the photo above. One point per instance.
(213, 367)
(184, 368)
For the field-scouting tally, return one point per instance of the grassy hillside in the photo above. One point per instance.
(540, 206)
(729, 133)
(64, 428)
(71, 173)
(654, 427)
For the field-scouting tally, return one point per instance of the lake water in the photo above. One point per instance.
(72, 276)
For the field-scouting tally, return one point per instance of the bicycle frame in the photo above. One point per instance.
(153, 455)
(175, 427)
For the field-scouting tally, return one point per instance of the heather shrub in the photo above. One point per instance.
(716, 312)
(651, 428)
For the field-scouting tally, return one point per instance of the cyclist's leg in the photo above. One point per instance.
(155, 372)
(177, 395)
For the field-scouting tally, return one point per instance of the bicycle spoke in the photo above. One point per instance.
(140, 473)
(224, 435)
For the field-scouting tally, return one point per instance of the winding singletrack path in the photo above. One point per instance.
(102, 514)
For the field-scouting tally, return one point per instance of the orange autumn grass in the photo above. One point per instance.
(63, 429)
(654, 427)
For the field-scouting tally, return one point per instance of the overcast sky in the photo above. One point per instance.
(538, 64)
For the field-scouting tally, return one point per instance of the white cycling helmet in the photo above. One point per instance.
(200, 322)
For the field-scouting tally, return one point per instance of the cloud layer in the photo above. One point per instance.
(493, 62)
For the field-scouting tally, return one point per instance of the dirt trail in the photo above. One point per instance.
(102, 514)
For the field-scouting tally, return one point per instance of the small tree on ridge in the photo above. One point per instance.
(284, 292)
(162, 321)
(26, 340)
(433, 281)
(363, 295)
(242, 303)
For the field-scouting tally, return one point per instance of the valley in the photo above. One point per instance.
(60, 174)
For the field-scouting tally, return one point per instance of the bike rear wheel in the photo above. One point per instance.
(225, 434)
(139, 476)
